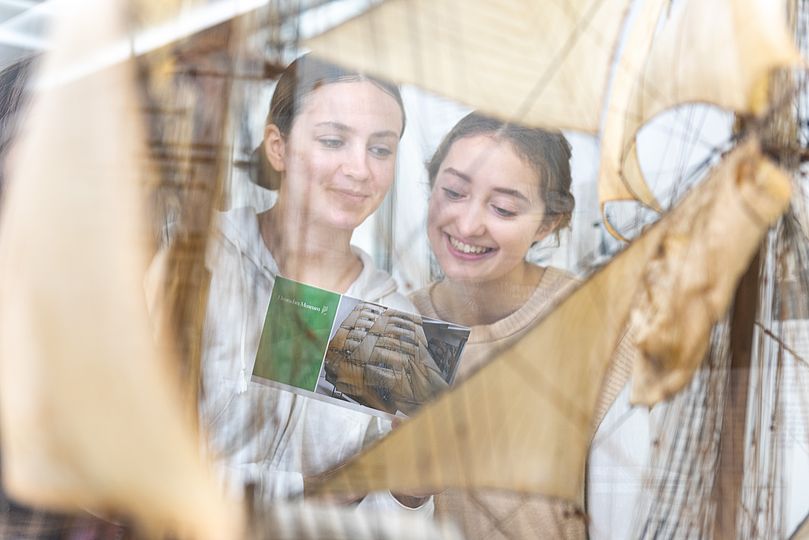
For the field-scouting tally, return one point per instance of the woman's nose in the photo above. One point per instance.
(355, 163)
(471, 221)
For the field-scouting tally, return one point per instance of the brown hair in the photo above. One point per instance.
(302, 77)
(547, 152)
(14, 97)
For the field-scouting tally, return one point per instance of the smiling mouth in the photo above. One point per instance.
(352, 194)
(468, 249)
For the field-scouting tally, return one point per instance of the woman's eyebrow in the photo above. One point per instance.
(344, 128)
(455, 172)
(505, 191)
(334, 125)
(385, 134)
(513, 193)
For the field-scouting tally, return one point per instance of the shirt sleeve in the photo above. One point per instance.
(385, 501)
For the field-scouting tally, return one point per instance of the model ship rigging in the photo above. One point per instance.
(551, 65)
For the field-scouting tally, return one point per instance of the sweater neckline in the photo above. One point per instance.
(539, 301)
(242, 228)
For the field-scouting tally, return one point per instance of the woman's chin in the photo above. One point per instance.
(465, 268)
(467, 276)
(346, 221)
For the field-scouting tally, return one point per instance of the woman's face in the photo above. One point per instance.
(339, 158)
(485, 210)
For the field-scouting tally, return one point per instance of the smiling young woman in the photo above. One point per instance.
(485, 213)
(329, 150)
(336, 161)
(496, 190)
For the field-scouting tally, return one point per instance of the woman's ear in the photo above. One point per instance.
(275, 147)
(548, 226)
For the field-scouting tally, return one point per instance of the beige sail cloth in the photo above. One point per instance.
(719, 52)
(616, 182)
(89, 417)
(523, 422)
(547, 64)
(688, 285)
(538, 63)
(803, 531)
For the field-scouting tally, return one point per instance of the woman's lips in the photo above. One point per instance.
(467, 252)
(351, 196)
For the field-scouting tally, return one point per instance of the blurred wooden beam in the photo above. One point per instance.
(727, 492)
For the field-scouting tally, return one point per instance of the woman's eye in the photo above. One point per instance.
(380, 151)
(451, 195)
(502, 212)
(331, 142)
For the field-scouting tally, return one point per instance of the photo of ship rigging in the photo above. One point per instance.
(388, 359)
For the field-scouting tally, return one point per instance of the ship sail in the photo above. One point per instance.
(748, 40)
(720, 53)
(746, 194)
(549, 67)
(542, 64)
(91, 418)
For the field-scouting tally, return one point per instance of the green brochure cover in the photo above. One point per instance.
(296, 334)
(353, 353)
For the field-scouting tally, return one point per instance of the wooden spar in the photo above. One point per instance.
(191, 172)
(780, 132)
(727, 492)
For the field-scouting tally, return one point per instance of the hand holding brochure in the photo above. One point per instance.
(355, 353)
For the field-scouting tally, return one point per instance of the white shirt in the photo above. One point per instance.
(262, 435)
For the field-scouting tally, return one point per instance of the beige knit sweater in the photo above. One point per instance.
(486, 514)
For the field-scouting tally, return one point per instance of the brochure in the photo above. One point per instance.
(354, 353)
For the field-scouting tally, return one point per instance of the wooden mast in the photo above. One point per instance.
(727, 492)
(778, 136)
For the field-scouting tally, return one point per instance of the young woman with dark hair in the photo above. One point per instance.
(329, 149)
(498, 189)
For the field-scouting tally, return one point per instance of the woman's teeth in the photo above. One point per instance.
(466, 248)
